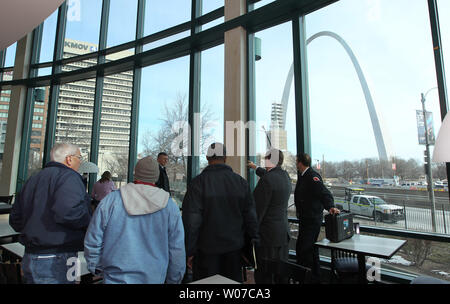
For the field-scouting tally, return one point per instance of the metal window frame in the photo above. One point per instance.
(262, 18)
(29, 109)
(301, 86)
(439, 62)
(193, 164)
(54, 86)
(98, 95)
(136, 93)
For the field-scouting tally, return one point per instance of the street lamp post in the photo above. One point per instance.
(428, 164)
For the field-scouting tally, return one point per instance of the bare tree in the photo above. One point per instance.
(117, 164)
(163, 139)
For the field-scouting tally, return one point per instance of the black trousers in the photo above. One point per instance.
(276, 253)
(227, 264)
(307, 253)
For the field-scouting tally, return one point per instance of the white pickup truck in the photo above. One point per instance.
(371, 206)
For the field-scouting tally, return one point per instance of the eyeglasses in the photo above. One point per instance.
(80, 158)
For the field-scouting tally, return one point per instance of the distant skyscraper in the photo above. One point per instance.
(76, 107)
(277, 116)
(277, 135)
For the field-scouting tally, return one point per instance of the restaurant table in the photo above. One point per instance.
(365, 245)
(17, 250)
(6, 230)
(215, 279)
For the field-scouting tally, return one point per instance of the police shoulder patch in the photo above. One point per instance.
(316, 179)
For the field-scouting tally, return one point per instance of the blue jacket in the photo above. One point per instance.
(52, 211)
(136, 236)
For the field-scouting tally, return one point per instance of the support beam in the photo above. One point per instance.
(17, 106)
(235, 96)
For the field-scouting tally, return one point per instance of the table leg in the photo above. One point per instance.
(362, 269)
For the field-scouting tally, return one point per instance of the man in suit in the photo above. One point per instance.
(163, 181)
(271, 197)
(311, 198)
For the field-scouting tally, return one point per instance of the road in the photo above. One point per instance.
(397, 196)
(417, 218)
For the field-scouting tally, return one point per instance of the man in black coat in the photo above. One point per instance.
(163, 181)
(52, 212)
(218, 211)
(271, 197)
(311, 198)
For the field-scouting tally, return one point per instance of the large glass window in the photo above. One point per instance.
(211, 100)
(368, 64)
(209, 6)
(163, 119)
(122, 22)
(275, 110)
(115, 126)
(75, 112)
(163, 14)
(10, 55)
(48, 42)
(82, 28)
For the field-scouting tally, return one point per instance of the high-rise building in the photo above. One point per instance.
(276, 117)
(76, 107)
(5, 96)
(277, 136)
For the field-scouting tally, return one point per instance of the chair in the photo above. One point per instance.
(6, 204)
(344, 266)
(294, 273)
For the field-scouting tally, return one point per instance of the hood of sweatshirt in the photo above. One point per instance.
(141, 199)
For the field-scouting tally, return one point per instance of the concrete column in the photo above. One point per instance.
(235, 97)
(15, 117)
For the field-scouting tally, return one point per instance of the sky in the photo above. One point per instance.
(393, 46)
(391, 40)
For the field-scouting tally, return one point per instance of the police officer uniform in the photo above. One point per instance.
(311, 198)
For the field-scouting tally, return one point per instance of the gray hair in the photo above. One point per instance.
(61, 150)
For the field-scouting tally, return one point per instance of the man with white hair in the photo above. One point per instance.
(52, 213)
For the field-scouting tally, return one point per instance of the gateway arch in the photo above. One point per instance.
(370, 105)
